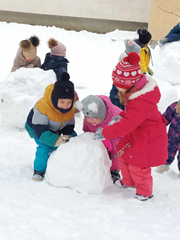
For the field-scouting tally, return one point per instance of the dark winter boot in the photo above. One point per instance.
(142, 198)
(38, 176)
(163, 41)
(115, 175)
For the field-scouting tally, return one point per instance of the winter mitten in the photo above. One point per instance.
(115, 119)
(62, 139)
(108, 145)
(98, 134)
(150, 71)
(30, 66)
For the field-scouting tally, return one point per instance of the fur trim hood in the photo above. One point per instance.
(147, 91)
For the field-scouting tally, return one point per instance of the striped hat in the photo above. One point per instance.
(127, 72)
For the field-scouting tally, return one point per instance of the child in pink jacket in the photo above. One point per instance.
(98, 113)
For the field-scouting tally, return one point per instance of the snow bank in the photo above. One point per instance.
(169, 94)
(82, 164)
(19, 91)
(166, 62)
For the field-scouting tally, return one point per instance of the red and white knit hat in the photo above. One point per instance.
(127, 72)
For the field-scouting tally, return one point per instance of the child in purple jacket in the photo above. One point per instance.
(172, 116)
(98, 113)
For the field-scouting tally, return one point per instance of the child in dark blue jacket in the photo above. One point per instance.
(173, 36)
(55, 59)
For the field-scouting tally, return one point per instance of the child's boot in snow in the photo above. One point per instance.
(162, 168)
(115, 175)
(163, 41)
(38, 176)
(142, 198)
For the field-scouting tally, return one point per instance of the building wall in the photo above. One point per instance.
(118, 10)
(99, 16)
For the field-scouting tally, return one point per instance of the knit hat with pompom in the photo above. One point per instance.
(57, 48)
(127, 72)
(63, 88)
(29, 47)
(144, 35)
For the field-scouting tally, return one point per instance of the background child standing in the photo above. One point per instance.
(51, 121)
(99, 112)
(130, 46)
(172, 116)
(145, 55)
(144, 141)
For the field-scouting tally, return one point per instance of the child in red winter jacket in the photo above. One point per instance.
(144, 141)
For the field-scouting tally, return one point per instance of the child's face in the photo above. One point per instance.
(64, 103)
(121, 90)
(93, 121)
(29, 60)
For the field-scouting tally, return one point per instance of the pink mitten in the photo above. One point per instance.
(108, 145)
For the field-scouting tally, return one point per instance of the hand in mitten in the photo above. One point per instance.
(30, 66)
(115, 119)
(62, 139)
(150, 71)
(98, 134)
(108, 145)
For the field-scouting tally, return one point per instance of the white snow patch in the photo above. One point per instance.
(19, 92)
(82, 164)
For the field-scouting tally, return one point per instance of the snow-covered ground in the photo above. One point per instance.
(40, 211)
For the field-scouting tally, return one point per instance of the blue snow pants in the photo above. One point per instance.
(43, 152)
(173, 37)
(173, 147)
(42, 155)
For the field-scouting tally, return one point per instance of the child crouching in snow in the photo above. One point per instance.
(144, 141)
(51, 122)
(99, 112)
(172, 116)
(26, 54)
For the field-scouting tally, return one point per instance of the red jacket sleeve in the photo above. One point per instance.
(135, 115)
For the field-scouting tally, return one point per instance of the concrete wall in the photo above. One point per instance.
(123, 14)
(123, 10)
(164, 15)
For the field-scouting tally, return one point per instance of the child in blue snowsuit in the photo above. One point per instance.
(172, 116)
(173, 36)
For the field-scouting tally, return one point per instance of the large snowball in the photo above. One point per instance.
(20, 91)
(82, 164)
(166, 62)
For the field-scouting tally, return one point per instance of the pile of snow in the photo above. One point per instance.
(19, 92)
(82, 164)
(169, 94)
(166, 62)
